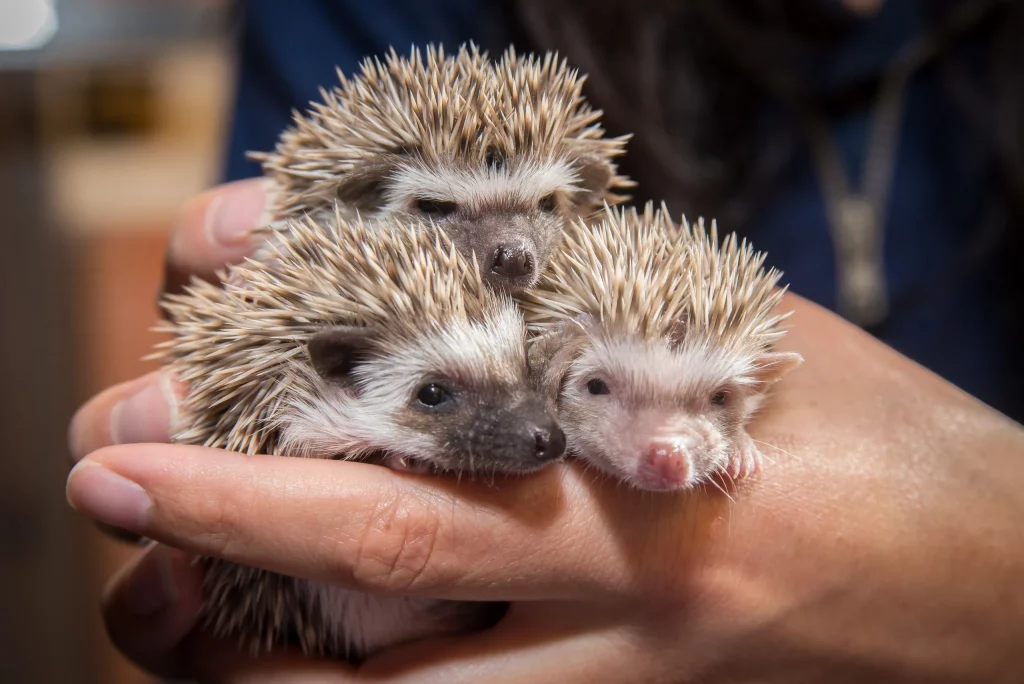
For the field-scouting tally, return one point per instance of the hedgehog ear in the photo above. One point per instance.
(334, 351)
(550, 357)
(771, 366)
(364, 186)
(595, 178)
(677, 333)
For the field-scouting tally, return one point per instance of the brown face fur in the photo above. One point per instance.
(511, 239)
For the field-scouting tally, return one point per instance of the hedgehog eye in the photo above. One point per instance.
(598, 386)
(431, 207)
(547, 203)
(719, 397)
(433, 395)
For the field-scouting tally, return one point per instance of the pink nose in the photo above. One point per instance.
(665, 466)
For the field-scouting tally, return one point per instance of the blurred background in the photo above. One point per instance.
(111, 115)
(115, 112)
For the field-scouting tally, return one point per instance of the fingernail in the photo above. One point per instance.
(152, 586)
(234, 213)
(108, 497)
(145, 416)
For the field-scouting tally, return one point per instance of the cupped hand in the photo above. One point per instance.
(882, 541)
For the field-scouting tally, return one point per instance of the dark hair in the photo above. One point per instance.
(688, 77)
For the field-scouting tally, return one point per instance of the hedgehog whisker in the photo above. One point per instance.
(720, 488)
(778, 448)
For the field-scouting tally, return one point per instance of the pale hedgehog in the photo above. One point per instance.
(377, 343)
(656, 344)
(501, 154)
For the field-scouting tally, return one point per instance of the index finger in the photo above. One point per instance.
(369, 528)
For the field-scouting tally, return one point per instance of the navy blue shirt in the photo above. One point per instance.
(943, 311)
(289, 50)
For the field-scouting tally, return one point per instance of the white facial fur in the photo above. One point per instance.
(502, 209)
(377, 411)
(473, 190)
(664, 418)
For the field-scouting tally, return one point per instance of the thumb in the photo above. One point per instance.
(151, 606)
(214, 230)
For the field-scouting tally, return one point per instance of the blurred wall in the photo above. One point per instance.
(42, 566)
(104, 131)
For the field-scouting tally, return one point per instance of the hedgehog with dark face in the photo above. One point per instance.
(656, 345)
(501, 154)
(370, 342)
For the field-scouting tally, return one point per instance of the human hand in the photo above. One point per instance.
(210, 232)
(882, 543)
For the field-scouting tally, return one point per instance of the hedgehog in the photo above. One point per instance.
(500, 154)
(655, 344)
(372, 342)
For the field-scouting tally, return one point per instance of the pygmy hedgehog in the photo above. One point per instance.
(656, 344)
(371, 342)
(500, 154)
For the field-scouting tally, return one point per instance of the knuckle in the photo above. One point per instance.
(218, 532)
(399, 545)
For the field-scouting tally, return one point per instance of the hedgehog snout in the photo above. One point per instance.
(520, 438)
(677, 456)
(549, 442)
(539, 440)
(509, 243)
(666, 464)
(511, 268)
(529, 436)
(512, 261)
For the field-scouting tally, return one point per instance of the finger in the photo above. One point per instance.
(214, 230)
(536, 642)
(138, 411)
(559, 534)
(150, 612)
(150, 607)
(223, 664)
(134, 412)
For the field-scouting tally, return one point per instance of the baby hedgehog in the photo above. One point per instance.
(377, 343)
(499, 154)
(657, 346)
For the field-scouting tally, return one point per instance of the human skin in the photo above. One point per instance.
(881, 542)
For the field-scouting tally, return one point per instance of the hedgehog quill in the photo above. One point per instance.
(501, 154)
(369, 342)
(656, 345)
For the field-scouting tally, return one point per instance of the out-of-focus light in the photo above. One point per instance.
(26, 24)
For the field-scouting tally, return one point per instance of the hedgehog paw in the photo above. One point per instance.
(406, 465)
(745, 459)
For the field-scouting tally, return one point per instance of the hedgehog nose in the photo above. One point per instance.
(550, 443)
(665, 465)
(511, 262)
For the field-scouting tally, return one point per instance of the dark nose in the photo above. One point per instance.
(520, 438)
(512, 262)
(550, 443)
